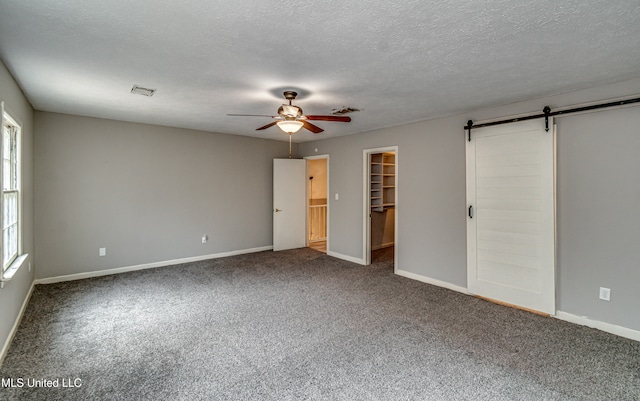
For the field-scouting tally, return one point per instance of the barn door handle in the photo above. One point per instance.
(471, 212)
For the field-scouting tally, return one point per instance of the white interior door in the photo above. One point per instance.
(289, 203)
(511, 226)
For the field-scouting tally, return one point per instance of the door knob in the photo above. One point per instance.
(278, 210)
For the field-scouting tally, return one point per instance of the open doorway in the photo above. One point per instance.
(380, 208)
(317, 205)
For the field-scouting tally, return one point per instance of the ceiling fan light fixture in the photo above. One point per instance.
(290, 126)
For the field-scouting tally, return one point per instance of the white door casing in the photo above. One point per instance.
(289, 204)
(511, 227)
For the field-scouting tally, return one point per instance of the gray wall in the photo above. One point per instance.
(431, 195)
(146, 193)
(599, 215)
(598, 198)
(14, 293)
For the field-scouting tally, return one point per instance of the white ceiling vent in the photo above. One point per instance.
(139, 90)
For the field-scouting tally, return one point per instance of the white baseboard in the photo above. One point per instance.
(431, 281)
(359, 261)
(568, 317)
(388, 244)
(16, 324)
(596, 324)
(118, 270)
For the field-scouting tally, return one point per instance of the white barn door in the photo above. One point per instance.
(511, 221)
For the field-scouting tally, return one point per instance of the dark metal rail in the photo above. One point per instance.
(546, 113)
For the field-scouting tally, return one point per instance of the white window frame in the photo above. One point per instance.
(11, 266)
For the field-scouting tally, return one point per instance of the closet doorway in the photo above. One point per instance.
(317, 205)
(380, 198)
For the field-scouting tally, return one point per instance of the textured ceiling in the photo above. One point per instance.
(399, 62)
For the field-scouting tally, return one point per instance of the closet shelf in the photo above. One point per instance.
(382, 181)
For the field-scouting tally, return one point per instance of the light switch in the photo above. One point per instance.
(337, 196)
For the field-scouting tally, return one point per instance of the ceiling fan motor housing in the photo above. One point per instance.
(290, 111)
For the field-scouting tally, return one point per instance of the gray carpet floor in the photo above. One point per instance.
(300, 325)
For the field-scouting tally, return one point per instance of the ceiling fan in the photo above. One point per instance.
(290, 118)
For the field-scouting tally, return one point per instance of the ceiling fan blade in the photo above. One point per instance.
(313, 128)
(341, 119)
(254, 115)
(267, 126)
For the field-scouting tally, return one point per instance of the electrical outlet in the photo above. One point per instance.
(605, 294)
(102, 251)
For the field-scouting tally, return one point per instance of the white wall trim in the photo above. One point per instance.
(16, 324)
(432, 281)
(596, 324)
(118, 270)
(567, 317)
(359, 261)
